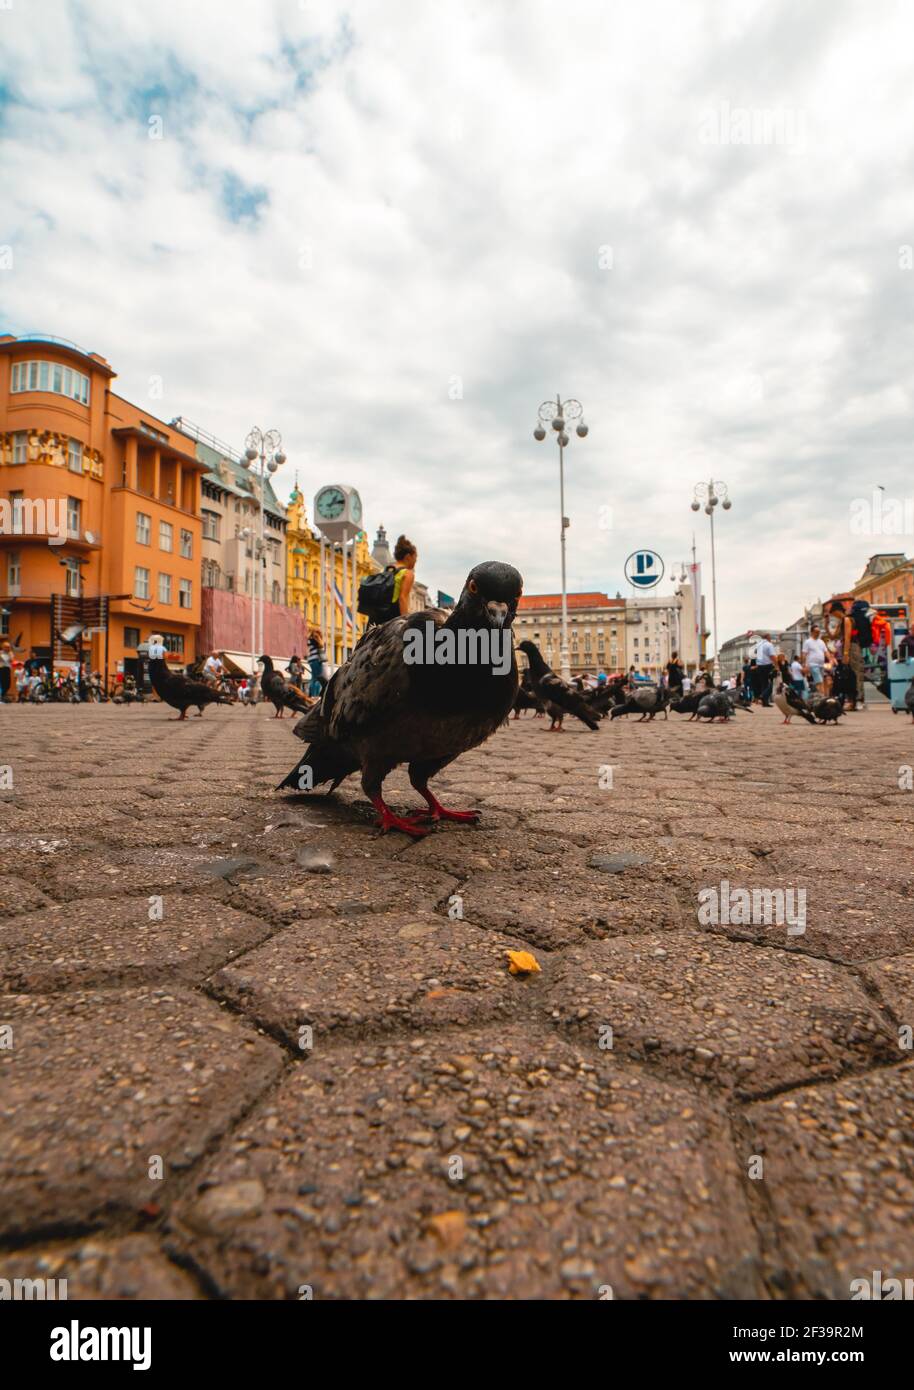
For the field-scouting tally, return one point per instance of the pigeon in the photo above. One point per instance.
(688, 704)
(386, 707)
(716, 705)
(276, 688)
(909, 699)
(557, 695)
(181, 692)
(647, 702)
(790, 702)
(524, 699)
(826, 708)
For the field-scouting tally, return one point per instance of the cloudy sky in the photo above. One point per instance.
(391, 230)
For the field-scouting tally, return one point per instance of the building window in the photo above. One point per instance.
(131, 636)
(166, 536)
(50, 376)
(211, 526)
(173, 642)
(73, 587)
(16, 508)
(185, 594)
(143, 528)
(276, 593)
(164, 588)
(20, 447)
(187, 544)
(74, 456)
(14, 572)
(74, 515)
(140, 582)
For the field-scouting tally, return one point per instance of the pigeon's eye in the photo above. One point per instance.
(472, 587)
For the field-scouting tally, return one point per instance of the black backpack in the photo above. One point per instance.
(376, 596)
(860, 617)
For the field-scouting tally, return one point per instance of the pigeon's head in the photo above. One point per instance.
(265, 662)
(491, 594)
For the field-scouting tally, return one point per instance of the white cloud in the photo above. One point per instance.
(436, 185)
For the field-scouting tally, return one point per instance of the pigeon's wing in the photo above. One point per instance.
(371, 688)
(552, 688)
(187, 689)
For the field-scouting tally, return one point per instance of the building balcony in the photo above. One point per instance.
(84, 541)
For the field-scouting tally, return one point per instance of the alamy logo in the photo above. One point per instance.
(35, 516)
(75, 1343)
(429, 645)
(743, 907)
(879, 515)
(881, 1288)
(28, 1290)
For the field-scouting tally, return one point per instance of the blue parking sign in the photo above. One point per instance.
(644, 569)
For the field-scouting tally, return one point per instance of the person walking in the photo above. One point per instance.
(849, 675)
(674, 675)
(316, 663)
(797, 679)
(815, 658)
(6, 670)
(763, 674)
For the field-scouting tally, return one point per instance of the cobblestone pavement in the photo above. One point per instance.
(230, 1072)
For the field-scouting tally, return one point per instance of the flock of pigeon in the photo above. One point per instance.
(545, 692)
(379, 710)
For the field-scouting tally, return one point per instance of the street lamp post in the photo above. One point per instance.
(559, 414)
(711, 493)
(265, 446)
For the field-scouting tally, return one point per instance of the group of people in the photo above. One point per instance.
(830, 661)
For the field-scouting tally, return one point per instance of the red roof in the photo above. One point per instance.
(574, 601)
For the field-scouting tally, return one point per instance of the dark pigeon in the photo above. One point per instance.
(283, 695)
(380, 710)
(557, 695)
(181, 692)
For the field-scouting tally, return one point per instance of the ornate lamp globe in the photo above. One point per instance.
(250, 453)
(582, 430)
(558, 423)
(280, 458)
(563, 439)
(539, 433)
(696, 506)
(727, 504)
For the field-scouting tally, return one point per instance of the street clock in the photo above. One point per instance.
(338, 511)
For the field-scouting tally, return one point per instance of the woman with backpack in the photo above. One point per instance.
(386, 595)
(848, 675)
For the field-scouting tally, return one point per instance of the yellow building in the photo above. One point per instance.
(303, 588)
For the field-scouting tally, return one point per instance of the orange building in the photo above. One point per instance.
(100, 521)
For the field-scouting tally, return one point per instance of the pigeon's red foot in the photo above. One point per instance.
(388, 820)
(438, 812)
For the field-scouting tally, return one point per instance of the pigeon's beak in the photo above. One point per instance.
(497, 613)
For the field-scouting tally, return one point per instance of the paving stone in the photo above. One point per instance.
(289, 898)
(104, 942)
(97, 1083)
(551, 910)
(726, 1012)
(127, 1267)
(893, 978)
(575, 1176)
(839, 1162)
(376, 972)
(18, 895)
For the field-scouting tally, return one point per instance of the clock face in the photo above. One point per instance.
(331, 503)
(355, 507)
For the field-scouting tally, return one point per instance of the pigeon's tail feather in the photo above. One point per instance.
(322, 762)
